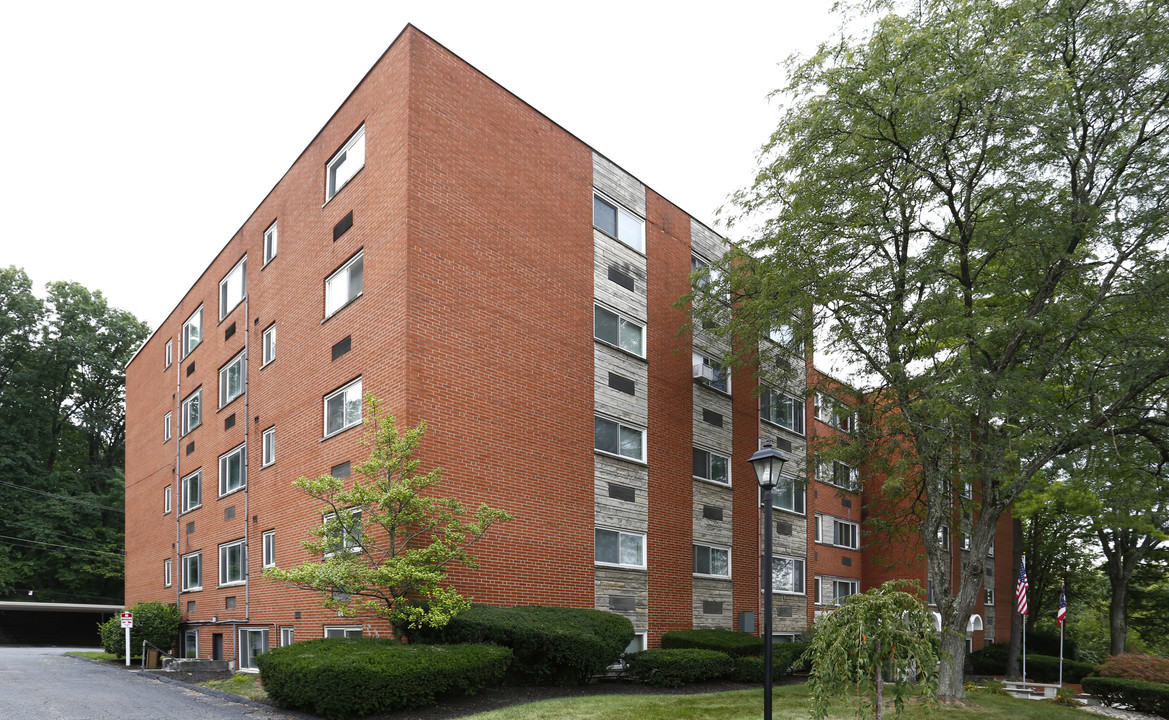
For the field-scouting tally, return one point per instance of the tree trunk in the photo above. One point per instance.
(1117, 617)
(1013, 670)
(880, 680)
(950, 668)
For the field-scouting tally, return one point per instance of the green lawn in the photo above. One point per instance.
(243, 684)
(93, 655)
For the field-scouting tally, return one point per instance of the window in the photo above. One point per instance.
(345, 164)
(709, 560)
(233, 473)
(344, 631)
(285, 636)
(166, 428)
(345, 284)
(269, 344)
(990, 550)
(944, 537)
(834, 531)
(232, 378)
(966, 541)
(193, 331)
(989, 599)
(787, 574)
(270, 243)
(192, 486)
(783, 410)
(344, 533)
(192, 572)
(709, 276)
(166, 579)
(712, 466)
(231, 563)
(788, 495)
(252, 642)
(166, 499)
(838, 473)
(614, 438)
(233, 287)
(834, 413)
(637, 644)
(615, 221)
(269, 546)
(968, 490)
(169, 353)
(618, 331)
(833, 591)
(343, 408)
(613, 547)
(712, 373)
(192, 412)
(785, 336)
(191, 643)
(268, 455)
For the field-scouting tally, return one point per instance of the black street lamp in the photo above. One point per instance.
(768, 464)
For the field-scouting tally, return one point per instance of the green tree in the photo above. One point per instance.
(970, 198)
(386, 542)
(880, 636)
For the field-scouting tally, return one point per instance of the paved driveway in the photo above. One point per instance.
(45, 684)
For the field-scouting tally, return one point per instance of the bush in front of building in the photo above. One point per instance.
(342, 678)
(155, 622)
(735, 644)
(1135, 666)
(552, 645)
(992, 660)
(679, 666)
(784, 658)
(1147, 697)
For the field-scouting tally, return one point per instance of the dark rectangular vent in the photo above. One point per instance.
(229, 603)
(621, 492)
(296, 614)
(190, 527)
(340, 228)
(846, 561)
(783, 611)
(229, 513)
(990, 571)
(190, 368)
(783, 528)
(622, 603)
(340, 471)
(622, 279)
(190, 447)
(710, 417)
(782, 444)
(229, 422)
(342, 346)
(229, 332)
(190, 606)
(711, 607)
(845, 502)
(622, 384)
(783, 363)
(710, 512)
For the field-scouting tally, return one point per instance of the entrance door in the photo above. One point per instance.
(217, 646)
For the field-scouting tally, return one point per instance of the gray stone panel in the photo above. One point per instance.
(614, 403)
(708, 589)
(618, 184)
(706, 435)
(623, 583)
(714, 532)
(607, 253)
(705, 242)
(618, 514)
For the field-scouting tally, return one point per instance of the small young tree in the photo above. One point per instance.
(882, 635)
(386, 541)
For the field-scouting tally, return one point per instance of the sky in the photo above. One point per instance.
(139, 136)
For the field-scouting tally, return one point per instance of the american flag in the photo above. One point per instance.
(1062, 613)
(1021, 587)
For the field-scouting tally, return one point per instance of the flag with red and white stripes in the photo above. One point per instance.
(1021, 587)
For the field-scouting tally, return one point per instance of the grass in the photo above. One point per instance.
(243, 684)
(93, 655)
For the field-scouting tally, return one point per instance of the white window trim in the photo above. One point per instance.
(803, 574)
(346, 629)
(712, 546)
(799, 411)
(988, 598)
(944, 536)
(243, 566)
(620, 316)
(185, 412)
(620, 532)
(268, 548)
(620, 424)
(191, 633)
(270, 234)
(166, 428)
(287, 635)
(621, 209)
(325, 409)
(266, 356)
(710, 454)
(826, 473)
(242, 361)
(826, 585)
(166, 506)
(167, 578)
(343, 268)
(183, 492)
(169, 353)
(349, 542)
(797, 492)
(990, 550)
(697, 357)
(243, 631)
(242, 450)
(330, 190)
(823, 537)
(183, 569)
(184, 337)
(242, 267)
(265, 459)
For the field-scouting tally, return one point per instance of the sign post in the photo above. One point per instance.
(127, 623)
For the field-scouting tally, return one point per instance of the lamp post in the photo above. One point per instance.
(768, 463)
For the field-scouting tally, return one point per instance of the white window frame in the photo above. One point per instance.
(242, 451)
(622, 428)
(287, 635)
(625, 232)
(823, 528)
(968, 490)
(225, 396)
(342, 274)
(268, 548)
(197, 559)
(774, 398)
(268, 352)
(944, 536)
(345, 164)
(831, 411)
(621, 534)
(990, 550)
(343, 393)
(247, 662)
(196, 478)
(709, 463)
(799, 495)
(346, 631)
(188, 635)
(967, 538)
(710, 550)
(167, 579)
(988, 598)
(166, 428)
(224, 549)
(624, 325)
(349, 541)
(233, 283)
(270, 237)
(166, 499)
(268, 447)
(826, 586)
(802, 568)
(826, 473)
(169, 354)
(194, 400)
(193, 331)
(722, 377)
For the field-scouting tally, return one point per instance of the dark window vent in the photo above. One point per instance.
(710, 607)
(783, 611)
(622, 603)
(342, 347)
(229, 422)
(783, 444)
(621, 492)
(783, 528)
(190, 369)
(845, 502)
(622, 384)
(622, 279)
(989, 571)
(340, 228)
(229, 513)
(340, 471)
(710, 417)
(190, 447)
(846, 561)
(229, 332)
(229, 603)
(296, 614)
(710, 512)
(190, 527)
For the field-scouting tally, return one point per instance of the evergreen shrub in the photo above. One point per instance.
(1135, 666)
(155, 622)
(735, 644)
(675, 667)
(1147, 697)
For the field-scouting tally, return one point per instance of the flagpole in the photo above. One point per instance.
(1061, 655)
(1061, 616)
(1022, 609)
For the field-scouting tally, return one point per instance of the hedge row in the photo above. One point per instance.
(735, 644)
(551, 645)
(1135, 666)
(1040, 668)
(342, 678)
(679, 666)
(1141, 696)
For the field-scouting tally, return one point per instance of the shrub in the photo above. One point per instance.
(1134, 666)
(675, 667)
(735, 644)
(1066, 696)
(990, 687)
(1042, 668)
(552, 645)
(750, 669)
(342, 678)
(1140, 696)
(155, 622)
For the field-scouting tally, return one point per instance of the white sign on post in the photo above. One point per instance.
(127, 623)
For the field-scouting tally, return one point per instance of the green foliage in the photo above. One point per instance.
(341, 678)
(386, 540)
(552, 645)
(881, 635)
(154, 622)
(1135, 666)
(1140, 696)
(992, 660)
(990, 687)
(1066, 696)
(677, 667)
(735, 644)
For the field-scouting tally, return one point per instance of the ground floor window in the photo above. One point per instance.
(252, 642)
(191, 643)
(342, 631)
(285, 636)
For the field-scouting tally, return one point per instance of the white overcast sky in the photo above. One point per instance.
(140, 135)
